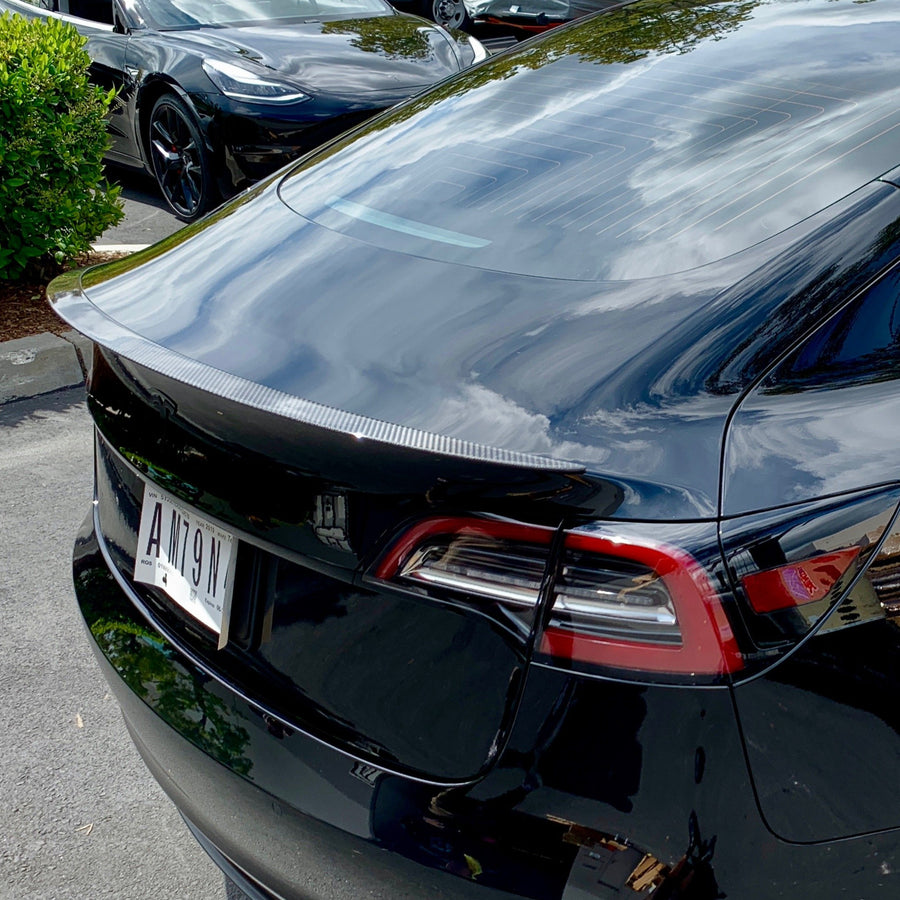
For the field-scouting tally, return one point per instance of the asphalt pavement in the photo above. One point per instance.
(81, 817)
(147, 218)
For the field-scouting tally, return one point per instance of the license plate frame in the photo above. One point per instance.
(188, 557)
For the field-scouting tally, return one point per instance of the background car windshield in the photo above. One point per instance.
(172, 14)
(636, 143)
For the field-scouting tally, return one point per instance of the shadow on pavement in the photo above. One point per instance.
(17, 412)
(136, 186)
(147, 217)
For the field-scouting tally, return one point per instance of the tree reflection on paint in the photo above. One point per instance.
(389, 37)
(152, 671)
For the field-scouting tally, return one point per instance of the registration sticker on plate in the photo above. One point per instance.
(190, 558)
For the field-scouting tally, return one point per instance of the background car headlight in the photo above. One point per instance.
(241, 84)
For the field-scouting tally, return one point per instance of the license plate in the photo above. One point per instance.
(190, 558)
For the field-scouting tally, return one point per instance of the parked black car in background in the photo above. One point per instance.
(213, 96)
(503, 503)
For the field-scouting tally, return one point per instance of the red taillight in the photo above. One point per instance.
(460, 530)
(617, 602)
(697, 641)
(631, 597)
(807, 568)
(797, 583)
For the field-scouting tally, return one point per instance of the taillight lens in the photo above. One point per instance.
(503, 561)
(508, 573)
(669, 602)
(792, 567)
(627, 603)
(613, 601)
(476, 561)
(798, 583)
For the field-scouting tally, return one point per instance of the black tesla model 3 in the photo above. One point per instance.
(503, 502)
(215, 95)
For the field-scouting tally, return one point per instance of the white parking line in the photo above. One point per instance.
(118, 248)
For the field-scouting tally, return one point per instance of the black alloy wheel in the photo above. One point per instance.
(447, 13)
(179, 158)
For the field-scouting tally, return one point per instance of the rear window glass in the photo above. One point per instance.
(648, 140)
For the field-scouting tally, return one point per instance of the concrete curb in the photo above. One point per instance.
(42, 363)
(47, 362)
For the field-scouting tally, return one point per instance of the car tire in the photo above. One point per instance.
(179, 158)
(446, 13)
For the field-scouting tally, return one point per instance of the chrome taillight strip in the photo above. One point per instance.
(507, 593)
(600, 609)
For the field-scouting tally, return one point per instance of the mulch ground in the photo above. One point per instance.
(24, 309)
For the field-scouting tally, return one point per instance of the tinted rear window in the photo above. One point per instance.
(648, 140)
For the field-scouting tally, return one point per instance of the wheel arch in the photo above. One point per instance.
(153, 87)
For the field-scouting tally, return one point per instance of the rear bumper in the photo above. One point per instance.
(277, 809)
(268, 847)
(625, 777)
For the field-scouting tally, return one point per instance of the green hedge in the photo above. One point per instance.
(54, 199)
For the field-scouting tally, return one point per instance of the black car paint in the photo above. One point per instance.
(667, 765)
(720, 784)
(352, 67)
(420, 686)
(832, 395)
(781, 288)
(829, 395)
